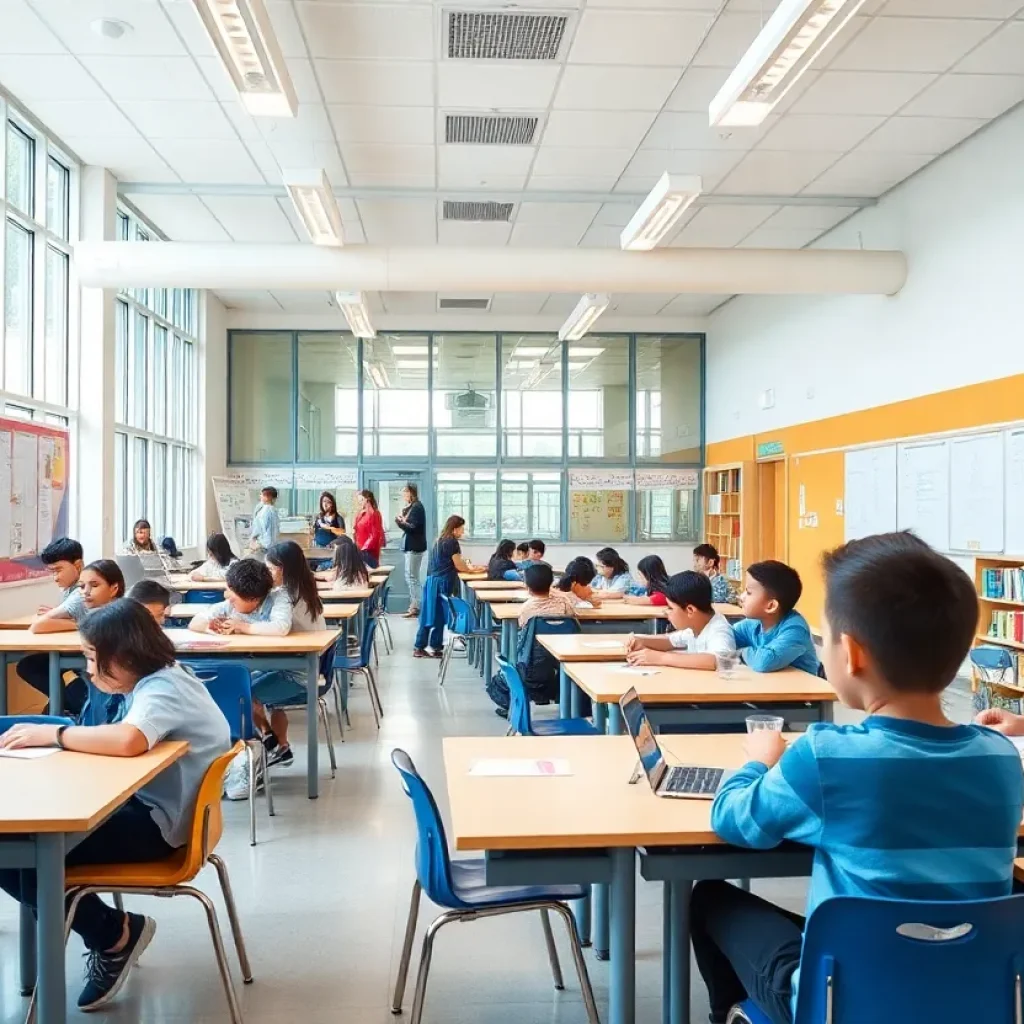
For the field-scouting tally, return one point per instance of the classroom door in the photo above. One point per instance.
(388, 489)
(771, 510)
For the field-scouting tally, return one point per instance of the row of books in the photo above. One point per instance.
(727, 480)
(1006, 584)
(734, 569)
(1007, 625)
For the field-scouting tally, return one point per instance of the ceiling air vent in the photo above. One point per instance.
(477, 212)
(490, 129)
(504, 35)
(451, 302)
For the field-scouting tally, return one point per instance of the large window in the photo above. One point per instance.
(668, 429)
(598, 374)
(396, 388)
(472, 495)
(531, 384)
(155, 407)
(465, 395)
(328, 408)
(531, 505)
(261, 397)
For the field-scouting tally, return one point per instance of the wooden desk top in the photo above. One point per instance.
(499, 596)
(592, 808)
(614, 611)
(69, 792)
(606, 683)
(476, 574)
(480, 585)
(730, 611)
(182, 584)
(17, 622)
(569, 647)
(331, 592)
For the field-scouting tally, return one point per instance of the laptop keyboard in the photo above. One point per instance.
(698, 781)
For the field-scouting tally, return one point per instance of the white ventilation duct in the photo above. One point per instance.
(365, 268)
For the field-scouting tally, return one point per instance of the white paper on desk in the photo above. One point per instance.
(584, 604)
(29, 753)
(519, 767)
(605, 645)
(199, 643)
(636, 670)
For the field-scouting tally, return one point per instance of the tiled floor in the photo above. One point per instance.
(324, 895)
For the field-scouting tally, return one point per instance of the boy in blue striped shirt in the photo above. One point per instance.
(906, 805)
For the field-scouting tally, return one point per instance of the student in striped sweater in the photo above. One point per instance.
(905, 805)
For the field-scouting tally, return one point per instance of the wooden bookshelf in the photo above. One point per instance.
(999, 600)
(730, 515)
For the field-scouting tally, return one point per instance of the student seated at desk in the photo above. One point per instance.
(613, 580)
(906, 805)
(706, 560)
(218, 559)
(522, 554)
(652, 579)
(250, 605)
(347, 567)
(773, 635)
(142, 539)
(500, 565)
(701, 635)
(129, 656)
(153, 596)
(543, 600)
(535, 550)
(576, 583)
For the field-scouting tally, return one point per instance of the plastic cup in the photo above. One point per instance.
(726, 664)
(755, 723)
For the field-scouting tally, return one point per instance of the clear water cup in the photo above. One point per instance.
(773, 723)
(727, 663)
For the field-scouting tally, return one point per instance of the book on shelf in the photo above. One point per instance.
(734, 569)
(1005, 584)
(714, 504)
(1007, 625)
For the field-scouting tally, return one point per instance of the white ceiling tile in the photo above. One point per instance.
(693, 305)
(216, 77)
(861, 92)
(406, 125)
(399, 221)
(911, 44)
(612, 129)
(583, 161)
(152, 28)
(673, 5)
(820, 217)
(957, 95)
(573, 215)
(586, 87)
(953, 8)
(866, 174)
(639, 304)
(181, 218)
(256, 302)
(451, 232)
(287, 28)
(409, 302)
(392, 179)
(84, 117)
(767, 237)
(615, 215)
(479, 166)
(24, 33)
(253, 218)
(264, 158)
(560, 304)
(728, 40)
(518, 302)
(210, 160)
(712, 165)
(571, 183)
(834, 132)
(129, 159)
(366, 157)
(308, 302)
(921, 134)
(188, 119)
(380, 32)
(696, 89)
(691, 131)
(467, 85)
(376, 82)
(722, 226)
(41, 77)
(642, 38)
(1002, 53)
(542, 235)
(149, 78)
(601, 236)
(764, 172)
(311, 123)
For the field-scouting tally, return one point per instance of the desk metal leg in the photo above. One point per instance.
(666, 951)
(312, 731)
(27, 949)
(677, 954)
(574, 700)
(622, 976)
(3, 682)
(615, 723)
(564, 682)
(608, 719)
(826, 710)
(50, 929)
(56, 685)
(600, 716)
(581, 911)
(488, 644)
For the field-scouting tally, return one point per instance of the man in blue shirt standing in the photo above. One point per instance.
(266, 523)
(412, 521)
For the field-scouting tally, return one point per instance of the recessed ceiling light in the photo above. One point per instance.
(576, 367)
(110, 28)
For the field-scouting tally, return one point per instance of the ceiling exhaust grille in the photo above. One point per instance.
(502, 35)
(454, 303)
(490, 129)
(477, 212)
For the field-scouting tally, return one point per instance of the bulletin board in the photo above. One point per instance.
(34, 500)
(599, 516)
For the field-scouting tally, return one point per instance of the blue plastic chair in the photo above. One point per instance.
(890, 961)
(361, 664)
(230, 685)
(462, 626)
(459, 887)
(6, 721)
(203, 597)
(519, 720)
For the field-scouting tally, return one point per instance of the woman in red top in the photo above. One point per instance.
(369, 529)
(654, 578)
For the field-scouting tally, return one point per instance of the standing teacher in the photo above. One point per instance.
(368, 529)
(412, 521)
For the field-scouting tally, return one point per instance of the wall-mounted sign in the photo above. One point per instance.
(601, 480)
(768, 449)
(659, 479)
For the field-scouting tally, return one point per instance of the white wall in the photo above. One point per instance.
(213, 425)
(958, 320)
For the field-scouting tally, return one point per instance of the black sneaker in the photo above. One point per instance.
(269, 742)
(501, 712)
(105, 973)
(282, 756)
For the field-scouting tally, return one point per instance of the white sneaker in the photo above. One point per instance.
(236, 782)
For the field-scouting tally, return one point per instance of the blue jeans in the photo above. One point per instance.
(413, 561)
(430, 636)
(371, 562)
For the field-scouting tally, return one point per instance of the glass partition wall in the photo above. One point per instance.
(511, 431)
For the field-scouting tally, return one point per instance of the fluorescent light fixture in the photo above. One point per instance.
(379, 376)
(518, 365)
(660, 211)
(410, 350)
(784, 49)
(584, 351)
(316, 206)
(353, 307)
(576, 367)
(244, 38)
(525, 350)
(582, 318)
(412, 364)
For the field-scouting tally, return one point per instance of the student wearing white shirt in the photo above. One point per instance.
(701, 635)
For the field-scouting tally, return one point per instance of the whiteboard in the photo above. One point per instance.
(1014, 483)
(976, 509)
(922, 502)
(869, 491)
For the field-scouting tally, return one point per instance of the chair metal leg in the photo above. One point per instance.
(236, 927)
(322, 705)
(119, 902)
(218, 949)
(267, 788)
(376, 656)
(446, 660)
(251, 762)
(425, 958)
(387, 633)
(410, 934)
(549, 941)
(375, 692)
(336, 690)
(581, 965)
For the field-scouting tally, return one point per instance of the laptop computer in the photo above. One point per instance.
(691, 782)
(131, 569)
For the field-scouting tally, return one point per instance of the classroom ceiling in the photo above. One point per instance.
(624, 100)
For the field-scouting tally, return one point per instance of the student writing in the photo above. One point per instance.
(218, 557)
(612, 580)
(577, 582)
(905, 805)
(347, 567)
(652, 579)
(153, 596)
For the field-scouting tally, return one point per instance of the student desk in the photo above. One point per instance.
(49, 806)
(296, 652)
(587, 827)
(479, 586)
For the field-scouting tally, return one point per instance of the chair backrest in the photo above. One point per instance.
(433, 865)
(203, 596)
(889, 961)
(6, 721)
(542, 625)
(208, 821)
(992, 664)
(449, 611)
(464, 619)
(327, 661)
(384, 591)
(230, 685)
(366, 644)
(518, 699)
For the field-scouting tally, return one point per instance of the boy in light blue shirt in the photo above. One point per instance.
(250, 605)
(266, 522)
(773, 635)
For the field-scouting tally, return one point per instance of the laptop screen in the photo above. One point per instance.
(643, 736)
